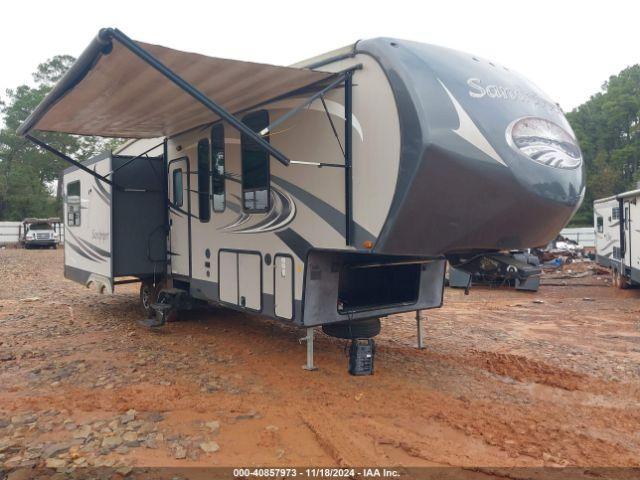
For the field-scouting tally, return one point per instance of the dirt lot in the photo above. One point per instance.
(507, 379)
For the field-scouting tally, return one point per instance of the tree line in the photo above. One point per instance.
(607, 127)
(29, 177)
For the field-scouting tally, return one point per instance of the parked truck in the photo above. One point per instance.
(39, 232)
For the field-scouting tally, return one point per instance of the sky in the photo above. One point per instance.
(568, 48)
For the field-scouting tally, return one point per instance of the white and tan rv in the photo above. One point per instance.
(326, 194)
(616, 221)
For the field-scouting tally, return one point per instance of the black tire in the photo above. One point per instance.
(148, 296)
(368, 328)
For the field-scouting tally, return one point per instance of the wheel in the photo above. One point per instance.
(349, 330)
(148, 296)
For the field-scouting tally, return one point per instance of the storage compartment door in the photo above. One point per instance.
(283, 286)
(228, 277)
(250, 273)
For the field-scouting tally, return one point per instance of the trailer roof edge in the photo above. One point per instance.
(619, 196)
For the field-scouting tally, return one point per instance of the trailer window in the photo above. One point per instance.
(255, 166)
(177, 187)
(217, 163)
(615, 213)
(600, 224)
(626, 218)
(73, 204)
(204, 210)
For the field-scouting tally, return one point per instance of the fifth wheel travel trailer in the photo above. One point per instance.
(329, 193)
(617, 237)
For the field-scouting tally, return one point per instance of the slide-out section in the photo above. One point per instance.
(115, 231)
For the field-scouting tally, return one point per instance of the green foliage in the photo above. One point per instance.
(27, 174)
(608, 129)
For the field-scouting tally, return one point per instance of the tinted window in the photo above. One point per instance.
(177, 187)
(217, 162)
(40, 226)
(255, 166)
(73, 204)
(599, 224)
(203, 181)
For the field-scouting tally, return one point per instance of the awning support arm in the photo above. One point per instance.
(317, 164)
(348, 173)
(304, 104)
(140, 52)
(134, 158)
(68, 159)
(333, 127)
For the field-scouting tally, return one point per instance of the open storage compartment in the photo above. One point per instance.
(366, 287)
(343, 286)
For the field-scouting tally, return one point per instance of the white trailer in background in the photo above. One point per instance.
(616, 222)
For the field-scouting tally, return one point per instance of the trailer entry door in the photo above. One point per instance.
(179, 216)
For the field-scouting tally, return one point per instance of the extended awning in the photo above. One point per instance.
(109, 92)
(122, 88)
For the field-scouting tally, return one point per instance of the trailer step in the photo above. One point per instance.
(161, 312)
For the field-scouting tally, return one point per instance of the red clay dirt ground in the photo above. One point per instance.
(507, 379)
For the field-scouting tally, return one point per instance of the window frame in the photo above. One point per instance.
(252, 120)
(203, 160)
(218, 146)
(599, 224)
(626, 217)
(615, 213)
(76, 215)
(173, 187)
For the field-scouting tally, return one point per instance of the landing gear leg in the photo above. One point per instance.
(309, 339)
(419, 328)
